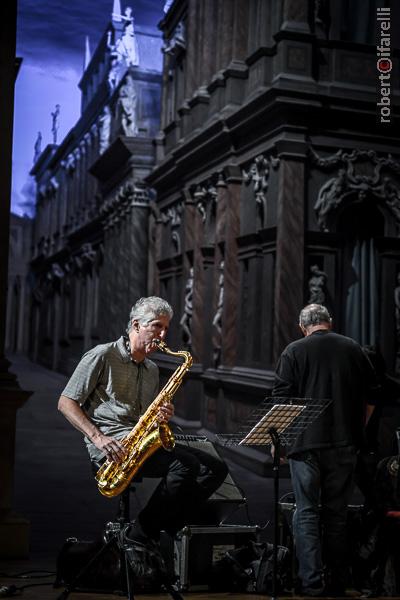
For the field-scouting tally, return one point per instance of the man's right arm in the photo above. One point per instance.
(72, 411)
(284, 384)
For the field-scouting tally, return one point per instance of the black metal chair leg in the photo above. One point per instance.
(128, 573)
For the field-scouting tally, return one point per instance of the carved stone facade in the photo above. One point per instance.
(90, 239)
(273, 185)
(287, 188)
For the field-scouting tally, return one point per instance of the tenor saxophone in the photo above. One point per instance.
(146, 437)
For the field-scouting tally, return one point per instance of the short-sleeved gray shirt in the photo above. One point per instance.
(112, 389)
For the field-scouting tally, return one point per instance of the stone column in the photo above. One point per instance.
(56, 330)
(14, 530)
(225, 22)
(194, 230)
(191, 75)
(289, 268)
(295, 16)
(138, 241)
(228, 229)
(208, 53)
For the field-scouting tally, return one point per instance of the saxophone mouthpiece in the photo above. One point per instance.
(159, 343)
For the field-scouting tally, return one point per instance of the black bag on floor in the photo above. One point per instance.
(147, 565)
(250, 569)
(265, 570)
(103, 574)
(234, 571)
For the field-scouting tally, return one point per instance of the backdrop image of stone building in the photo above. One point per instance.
(90, 241)
(240, 173)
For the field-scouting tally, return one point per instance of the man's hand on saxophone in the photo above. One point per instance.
(112, 448)
(165, 413)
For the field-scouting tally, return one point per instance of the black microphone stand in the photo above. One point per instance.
(275, 469)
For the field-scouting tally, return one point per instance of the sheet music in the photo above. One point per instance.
(280, 416)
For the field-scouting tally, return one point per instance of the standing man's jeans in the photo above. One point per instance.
(322, 477)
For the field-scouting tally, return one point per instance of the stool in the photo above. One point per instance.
(111, 537)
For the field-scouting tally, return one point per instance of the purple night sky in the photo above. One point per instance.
(51, 42)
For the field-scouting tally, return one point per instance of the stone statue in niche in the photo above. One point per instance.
(202, 210)
(173, 216)
(176, 241)
(392, 195)
(322, 18)
(104, 129)
(55, 123)
(258, 175)
(177, 43)
(87, 256)
(317, 285)
(205, 197)
(329, 197)
(397, 322)
(38, 147)
(217, 320)
(54, 276)
(127, 102)
(186, 319)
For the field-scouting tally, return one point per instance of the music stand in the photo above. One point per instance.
(276, 421)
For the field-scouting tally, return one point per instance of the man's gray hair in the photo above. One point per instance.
(148, 309)
(314, 314)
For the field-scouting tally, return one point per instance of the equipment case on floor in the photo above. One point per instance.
(195, 549)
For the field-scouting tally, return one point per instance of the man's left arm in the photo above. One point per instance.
(373, 389)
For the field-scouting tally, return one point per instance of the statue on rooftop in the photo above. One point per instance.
(123, 50)
(127, 46)
(55, 123)
(37, 147)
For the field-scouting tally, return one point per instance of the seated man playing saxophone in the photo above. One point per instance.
(112, 386)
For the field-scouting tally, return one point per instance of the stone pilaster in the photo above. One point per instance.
(228, 229)
(289, 268)
(191, 81)
(295, 16)
(196, 222)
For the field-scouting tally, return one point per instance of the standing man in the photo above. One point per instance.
(325, 365)
(111, 388)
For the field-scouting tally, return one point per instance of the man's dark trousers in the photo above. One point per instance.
(322, 482)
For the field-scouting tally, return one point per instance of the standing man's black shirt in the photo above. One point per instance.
(332, 366)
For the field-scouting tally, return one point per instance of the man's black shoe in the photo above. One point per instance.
(316, 590)
(132, 533)
(144, 558)
(335, 592)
